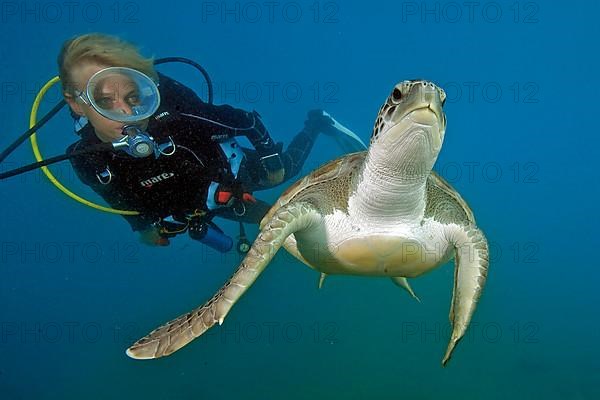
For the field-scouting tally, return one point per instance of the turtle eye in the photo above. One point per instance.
(396, 95)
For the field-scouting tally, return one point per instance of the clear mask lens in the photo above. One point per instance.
(123, 94)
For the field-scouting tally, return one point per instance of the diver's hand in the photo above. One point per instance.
(319, 121)
(273, 170)
(152, 237)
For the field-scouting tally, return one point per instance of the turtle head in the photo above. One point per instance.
(409, 130)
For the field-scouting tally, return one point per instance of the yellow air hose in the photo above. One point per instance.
(47, 172)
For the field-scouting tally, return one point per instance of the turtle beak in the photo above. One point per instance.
(430, 96)
(424, 105)
(436, 107)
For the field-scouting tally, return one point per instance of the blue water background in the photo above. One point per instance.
(76, 288)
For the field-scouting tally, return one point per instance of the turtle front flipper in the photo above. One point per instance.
(472, 260)
(177, 333)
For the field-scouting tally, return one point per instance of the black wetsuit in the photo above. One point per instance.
(173, 185)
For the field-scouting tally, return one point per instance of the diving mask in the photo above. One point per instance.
(121, 94)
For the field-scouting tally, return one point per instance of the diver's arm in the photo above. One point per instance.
(268, 152)
(224, 118)
(182, 100)
(239, 122)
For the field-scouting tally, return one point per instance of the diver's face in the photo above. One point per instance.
(111, 93)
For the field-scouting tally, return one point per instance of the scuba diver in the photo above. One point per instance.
(175, 158)
(160, 156)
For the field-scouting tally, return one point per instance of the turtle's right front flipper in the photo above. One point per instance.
(470, 274)
(177, 333)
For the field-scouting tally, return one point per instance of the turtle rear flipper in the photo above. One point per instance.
(177, 333)
(403, 283)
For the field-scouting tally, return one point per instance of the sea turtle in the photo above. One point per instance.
(382, 212)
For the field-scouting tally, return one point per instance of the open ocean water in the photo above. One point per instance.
(76, 287)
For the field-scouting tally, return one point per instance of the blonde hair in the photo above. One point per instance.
(102, 49)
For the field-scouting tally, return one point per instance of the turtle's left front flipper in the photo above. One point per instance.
(177, 333)
(472, 260)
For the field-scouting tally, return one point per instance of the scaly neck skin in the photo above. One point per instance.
(391, 186)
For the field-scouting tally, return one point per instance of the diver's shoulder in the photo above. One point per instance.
(181, 98)
(170, 87)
